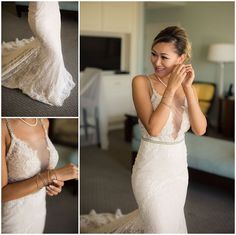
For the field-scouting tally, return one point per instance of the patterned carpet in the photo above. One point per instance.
(14, 102)
(105, 186)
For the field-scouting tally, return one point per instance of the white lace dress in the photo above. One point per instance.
(26, 214)
(36, 65)
(159, 178)
(160, 175)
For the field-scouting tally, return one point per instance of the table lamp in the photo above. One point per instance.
(221, 53)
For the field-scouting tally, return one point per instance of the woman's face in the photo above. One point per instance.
(164, 58)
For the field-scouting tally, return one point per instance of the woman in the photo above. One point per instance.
(167, 105)
(28, 162)
(36, 65)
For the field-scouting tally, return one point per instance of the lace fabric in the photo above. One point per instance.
(160, 175)
(177, 123)
(27, 214)
(111, 223)
(36, 65)
(159, 179)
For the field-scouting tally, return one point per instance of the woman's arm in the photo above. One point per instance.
(196, 117)
(155, 120)
(18, 189)
(4, 165)
(12, 191)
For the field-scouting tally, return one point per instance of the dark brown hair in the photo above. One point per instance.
(177, 36)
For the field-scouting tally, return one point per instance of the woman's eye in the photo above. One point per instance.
(164, 58)
(153, 54)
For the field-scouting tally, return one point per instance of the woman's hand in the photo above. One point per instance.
(54, 188)
(177, 76)
(67, 172)
(187, 82)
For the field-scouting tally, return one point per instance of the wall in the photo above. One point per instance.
(206, 23)
(106, 18)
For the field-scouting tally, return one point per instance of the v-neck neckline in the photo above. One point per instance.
(14, 138)
(156, 94)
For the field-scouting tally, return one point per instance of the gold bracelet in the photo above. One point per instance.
(37, 181)
(54, 173)
(41, 178)
(166, 104)
(49, 178)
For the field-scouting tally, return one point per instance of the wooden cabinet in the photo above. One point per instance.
(117, 98)
(226, 117)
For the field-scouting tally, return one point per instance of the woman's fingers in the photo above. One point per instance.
(53, 189)
(49, 193)
(58, 183)
(181, 68)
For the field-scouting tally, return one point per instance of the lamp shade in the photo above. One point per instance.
(221, 53)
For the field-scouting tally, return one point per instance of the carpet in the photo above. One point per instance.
(14, 102)
(105, 186)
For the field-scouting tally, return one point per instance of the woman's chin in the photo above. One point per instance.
(161, 74)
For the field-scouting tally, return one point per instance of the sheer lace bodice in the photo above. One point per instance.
(26, 158)
(159, 178)
(177, 123)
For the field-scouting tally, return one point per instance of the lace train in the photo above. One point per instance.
(36, 65)
(109, 223)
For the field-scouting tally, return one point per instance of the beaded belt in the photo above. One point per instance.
(161, 142)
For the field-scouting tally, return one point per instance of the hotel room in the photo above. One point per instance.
(116, 39)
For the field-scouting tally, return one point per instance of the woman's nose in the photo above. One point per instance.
(158, 61)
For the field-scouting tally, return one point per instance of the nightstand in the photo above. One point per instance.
(226, 117)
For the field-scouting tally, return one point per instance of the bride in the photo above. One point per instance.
(28, 174)
(36, 65)
(167, 105)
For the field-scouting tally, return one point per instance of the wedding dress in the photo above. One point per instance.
(159, 178)
(25, 159)
(36, 65)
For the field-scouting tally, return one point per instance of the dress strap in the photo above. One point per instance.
(150, 84)
(9, 128)
(43, 125)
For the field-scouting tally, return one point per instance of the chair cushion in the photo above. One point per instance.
(205, 153)
(205, 92)
(210, 154)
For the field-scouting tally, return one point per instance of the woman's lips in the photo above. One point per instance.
(159, 69)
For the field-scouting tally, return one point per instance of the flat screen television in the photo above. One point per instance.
(104, 52)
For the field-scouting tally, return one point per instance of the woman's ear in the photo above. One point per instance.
(182, 58)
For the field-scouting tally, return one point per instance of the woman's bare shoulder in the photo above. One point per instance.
(142, 84)
(5, 132)
(46, 122)
(140, 78)
(4, 125)
(140, 81)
